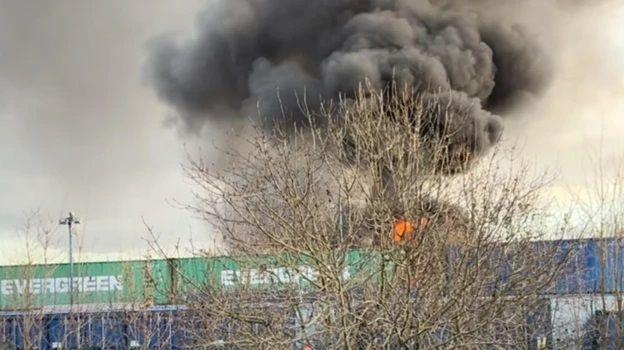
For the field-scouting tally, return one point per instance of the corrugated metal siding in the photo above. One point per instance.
(139, 283)
(107, 283)
(149, 329)
(597, 266)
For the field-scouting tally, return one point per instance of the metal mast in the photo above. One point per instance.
(69, 221)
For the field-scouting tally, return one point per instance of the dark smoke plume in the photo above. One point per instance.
(247, 52)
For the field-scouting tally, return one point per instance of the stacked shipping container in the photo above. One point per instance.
(135, 303)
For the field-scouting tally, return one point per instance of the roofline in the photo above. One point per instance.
(566, 240)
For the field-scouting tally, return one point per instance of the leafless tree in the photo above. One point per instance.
(379, 225)
(597, 317)
(34, 319)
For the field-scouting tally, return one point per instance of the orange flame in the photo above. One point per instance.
(403, 230)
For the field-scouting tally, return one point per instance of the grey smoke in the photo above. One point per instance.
(248, 52)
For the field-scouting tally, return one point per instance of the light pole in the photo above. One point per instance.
(69, 221)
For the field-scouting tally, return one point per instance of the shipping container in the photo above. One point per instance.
(128, 304)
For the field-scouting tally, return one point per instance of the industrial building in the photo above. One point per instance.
(140, 304)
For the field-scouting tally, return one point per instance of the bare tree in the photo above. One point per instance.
(595, 317)
(34, 318)
(380, 225)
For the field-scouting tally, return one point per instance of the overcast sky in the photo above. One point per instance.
(580, 118)
(81, 130)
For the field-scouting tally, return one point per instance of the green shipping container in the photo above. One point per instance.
(146, 283)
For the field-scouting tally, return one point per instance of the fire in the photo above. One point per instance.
(403, 230)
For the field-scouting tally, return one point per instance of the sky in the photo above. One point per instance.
(81, 129)
(577, 125)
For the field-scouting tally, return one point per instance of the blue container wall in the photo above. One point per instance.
(595, 266)
(116, 330)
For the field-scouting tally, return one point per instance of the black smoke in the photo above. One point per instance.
(279, 54)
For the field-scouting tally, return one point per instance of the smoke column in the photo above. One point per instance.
(247, 52)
